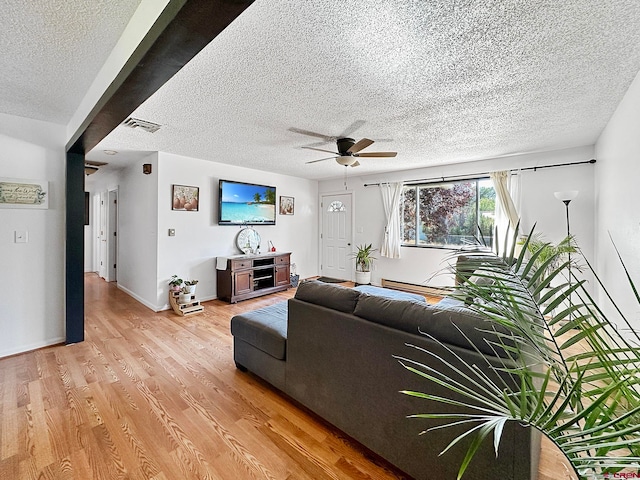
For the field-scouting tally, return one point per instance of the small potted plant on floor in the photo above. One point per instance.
(190, 285)
(364, 260)
(175, 283)
(185, 295)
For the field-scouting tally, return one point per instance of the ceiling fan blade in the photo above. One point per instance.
(309, 133)
(359, 145)
(322, 159)
(320, 150)
(376, 154)
(355, 164)
(352, 128)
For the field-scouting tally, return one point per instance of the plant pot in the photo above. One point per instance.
(192, 289)
(185, 298)
(363, 278)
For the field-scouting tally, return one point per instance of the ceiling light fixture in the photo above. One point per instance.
(110, 152)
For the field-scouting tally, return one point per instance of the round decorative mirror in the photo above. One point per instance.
(248, 241)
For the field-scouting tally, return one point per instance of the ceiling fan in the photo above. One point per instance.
(348, 152)
(91, 167)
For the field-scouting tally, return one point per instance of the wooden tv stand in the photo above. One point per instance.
(249, 276)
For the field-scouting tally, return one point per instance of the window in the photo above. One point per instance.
(336, 206)
(448, 214)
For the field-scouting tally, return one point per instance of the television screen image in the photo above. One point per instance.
(246, 204)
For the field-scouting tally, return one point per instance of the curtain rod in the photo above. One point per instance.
(476, 175)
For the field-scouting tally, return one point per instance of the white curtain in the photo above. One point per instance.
(507, 189)
(391, 200)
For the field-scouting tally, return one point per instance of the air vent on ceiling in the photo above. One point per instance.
(143, 124)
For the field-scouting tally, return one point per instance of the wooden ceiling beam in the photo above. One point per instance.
(182, 30)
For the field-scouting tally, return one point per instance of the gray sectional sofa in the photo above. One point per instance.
(332, 349)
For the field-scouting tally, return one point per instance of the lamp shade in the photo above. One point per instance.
(566, 195)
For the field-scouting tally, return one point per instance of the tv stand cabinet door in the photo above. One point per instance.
(243, 283)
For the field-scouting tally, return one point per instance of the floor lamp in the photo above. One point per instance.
(566, 197)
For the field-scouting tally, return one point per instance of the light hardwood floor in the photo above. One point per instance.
(157, 396)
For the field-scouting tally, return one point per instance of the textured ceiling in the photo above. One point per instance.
(440, 82)
(52, 50)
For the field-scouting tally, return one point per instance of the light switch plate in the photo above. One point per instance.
(172, 232)
(21, 236)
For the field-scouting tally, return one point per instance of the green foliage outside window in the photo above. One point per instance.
(448, 214)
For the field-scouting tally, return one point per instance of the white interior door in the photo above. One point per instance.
(103, 257)
(95, 228)
(112, 239)
(336, 236)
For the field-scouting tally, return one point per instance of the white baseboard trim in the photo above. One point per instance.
(160, 308)
(138, 298)
(32, 346)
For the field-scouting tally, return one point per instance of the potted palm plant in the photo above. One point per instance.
(586, 401)
(364, 260)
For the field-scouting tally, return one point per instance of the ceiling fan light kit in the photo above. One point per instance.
(91, 167)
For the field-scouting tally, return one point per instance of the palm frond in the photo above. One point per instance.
(585, 401)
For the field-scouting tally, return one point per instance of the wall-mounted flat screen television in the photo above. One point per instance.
(246, 204)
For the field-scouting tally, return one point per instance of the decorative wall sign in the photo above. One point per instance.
(286, 205)
(20, 193)
(185, 198)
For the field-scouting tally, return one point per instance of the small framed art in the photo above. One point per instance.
(185, 198)
(286, 205)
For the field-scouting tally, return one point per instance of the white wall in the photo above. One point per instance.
(539, 205)
(138, 231)
(148, 257)
(199, 239)
(618, 197)
(32, 302)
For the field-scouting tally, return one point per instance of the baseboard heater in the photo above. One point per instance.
(414, 288)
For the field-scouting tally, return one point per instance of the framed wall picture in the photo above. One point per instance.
(184, 198)
(19, 193)
(286, 205)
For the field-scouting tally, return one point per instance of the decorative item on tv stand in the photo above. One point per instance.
(364, 260)
(248, 241)
(294, 277)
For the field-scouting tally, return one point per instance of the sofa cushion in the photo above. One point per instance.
(389, 293)
(441, 323)
(265, 329)
(392, 313)
(336, 297)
